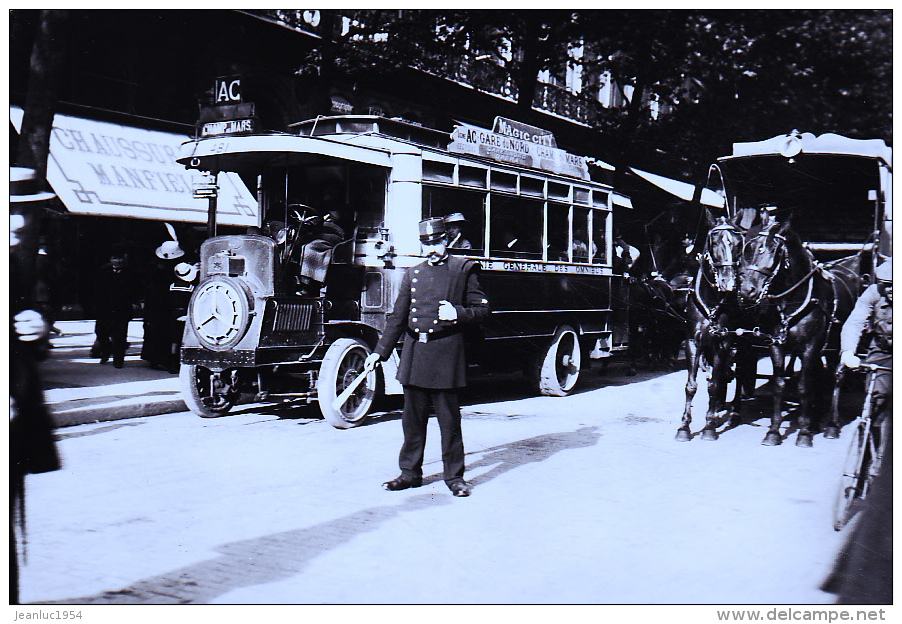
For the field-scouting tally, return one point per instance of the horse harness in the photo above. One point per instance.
(787, 321)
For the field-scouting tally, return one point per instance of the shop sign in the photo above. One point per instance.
(505, 148)
(101, 168)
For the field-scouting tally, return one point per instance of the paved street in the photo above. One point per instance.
(583, 499)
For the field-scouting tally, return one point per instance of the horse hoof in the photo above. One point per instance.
(831, 433)
(804, 440)
(683, 435)
(709, 434)
(772, 439)
(735, 419)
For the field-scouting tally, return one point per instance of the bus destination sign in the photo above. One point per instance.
(532, 150)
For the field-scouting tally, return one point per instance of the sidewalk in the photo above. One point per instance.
(80, 390)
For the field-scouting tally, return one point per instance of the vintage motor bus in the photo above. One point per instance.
(537, 223)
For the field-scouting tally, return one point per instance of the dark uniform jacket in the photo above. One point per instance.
(438, 360)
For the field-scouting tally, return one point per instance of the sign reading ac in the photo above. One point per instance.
(228, 90)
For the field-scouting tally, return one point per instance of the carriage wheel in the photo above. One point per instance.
(853, 483)
(198, 392)
(558, 366)
(343, 362)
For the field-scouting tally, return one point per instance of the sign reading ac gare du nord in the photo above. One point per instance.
(516, 143)
(101, 168)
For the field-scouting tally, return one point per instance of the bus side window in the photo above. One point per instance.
(599, 236)
(580, 245)
(516, 228)
(443, 202)
(558, 232)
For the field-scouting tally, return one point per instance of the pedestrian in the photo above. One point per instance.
(456, 240)
(180, 291)
(437, 300)
(863, 570)
(32, 448)
(158, 318)
(115, 294)
(873, 314)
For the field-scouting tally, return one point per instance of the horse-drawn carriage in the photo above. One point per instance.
(805, 222)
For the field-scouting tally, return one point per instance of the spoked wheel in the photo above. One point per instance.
(854, 480)
(204, 393)
(558, 366)
(342, 364)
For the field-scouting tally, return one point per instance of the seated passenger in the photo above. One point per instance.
(456, 240)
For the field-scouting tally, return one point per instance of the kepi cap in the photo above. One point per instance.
(884, 272)
(23, 186)
(431, 230)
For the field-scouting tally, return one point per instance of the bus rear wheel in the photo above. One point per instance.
(342, 364)
(202, 393)
(557, 368)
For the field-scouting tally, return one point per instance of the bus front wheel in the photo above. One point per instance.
(557, 368)
(341, 366)
(203, 392)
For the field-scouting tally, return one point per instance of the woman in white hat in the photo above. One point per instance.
(158, 318)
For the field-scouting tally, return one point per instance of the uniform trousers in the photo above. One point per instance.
(414, 420)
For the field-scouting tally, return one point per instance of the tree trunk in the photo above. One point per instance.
(47, 59)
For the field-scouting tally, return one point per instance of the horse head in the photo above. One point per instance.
(763, 256)
(722, 252)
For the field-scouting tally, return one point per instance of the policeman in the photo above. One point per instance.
(436, 300)
(874, 310)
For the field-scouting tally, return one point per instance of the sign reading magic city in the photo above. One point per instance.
(520, 144)
(101, 168)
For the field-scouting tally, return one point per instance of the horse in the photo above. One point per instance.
(788, 303)
(710, 312)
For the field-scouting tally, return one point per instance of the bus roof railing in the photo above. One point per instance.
(393, 127)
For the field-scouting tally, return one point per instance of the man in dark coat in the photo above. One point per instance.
(436, 299)
(116, 292)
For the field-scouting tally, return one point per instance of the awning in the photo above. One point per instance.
(107, 169)
(683, 190)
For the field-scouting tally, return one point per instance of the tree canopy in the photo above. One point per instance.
(717, 76)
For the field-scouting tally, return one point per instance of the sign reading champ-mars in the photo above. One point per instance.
(102, 168)
(519, 145)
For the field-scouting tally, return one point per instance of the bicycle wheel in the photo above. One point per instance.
(853, 482)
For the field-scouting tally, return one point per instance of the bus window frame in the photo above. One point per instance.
(580, 195)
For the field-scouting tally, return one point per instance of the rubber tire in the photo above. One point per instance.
(343, 362)
(193, 399)
(558, 368)
(854, 477)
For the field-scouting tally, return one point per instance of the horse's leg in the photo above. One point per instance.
(746, 372)
(831, 431)
(810, 378)
(717, 387)
(683, 433)
(773, 438)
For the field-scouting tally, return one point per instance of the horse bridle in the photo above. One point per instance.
(709, 259)
(768, 272)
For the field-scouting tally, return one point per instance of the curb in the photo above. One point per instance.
(138, 407)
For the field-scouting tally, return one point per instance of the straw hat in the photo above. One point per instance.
(23, 186)
(170, 250)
